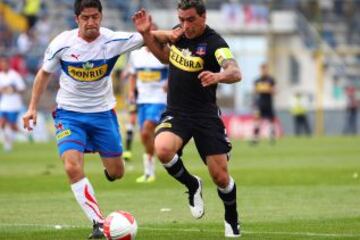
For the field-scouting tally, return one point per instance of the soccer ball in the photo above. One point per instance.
(120, 225)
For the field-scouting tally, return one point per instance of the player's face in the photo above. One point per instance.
(89, 22)
(264, 70)
(192, 23)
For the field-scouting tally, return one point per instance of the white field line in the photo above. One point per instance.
(155, 229)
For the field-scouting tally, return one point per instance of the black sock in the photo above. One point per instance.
(108, 177)
(229, 200)
(256, 132)
(179, 172)
(129, 139)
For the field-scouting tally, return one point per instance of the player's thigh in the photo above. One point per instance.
(104, 135)
(210, 137)
(70, 134)
(171, 135)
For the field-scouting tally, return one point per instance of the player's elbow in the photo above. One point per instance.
(237, 77)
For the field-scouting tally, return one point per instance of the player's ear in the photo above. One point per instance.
(76, 18)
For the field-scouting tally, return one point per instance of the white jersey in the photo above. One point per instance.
(11, 102)
(85, 82)
(151, 76)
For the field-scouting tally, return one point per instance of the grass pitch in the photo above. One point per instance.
(297, 189)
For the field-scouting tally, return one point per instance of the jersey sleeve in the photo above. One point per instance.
(221, 50)
(53, 54)
(124, 42)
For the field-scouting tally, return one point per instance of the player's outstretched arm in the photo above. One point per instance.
(231, 74)
(142, 21)
(40, 84)
(168, 36)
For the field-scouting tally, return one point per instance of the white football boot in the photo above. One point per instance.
(231, 232)
(196, 202)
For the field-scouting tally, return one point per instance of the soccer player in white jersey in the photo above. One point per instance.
(149, 76)
(11, 87)
(84, 118)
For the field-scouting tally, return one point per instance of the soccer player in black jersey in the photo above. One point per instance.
(264, 91)
(196, 57)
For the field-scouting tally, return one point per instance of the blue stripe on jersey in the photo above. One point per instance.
(164, 71)
(52, 57)
(119, 39)
(90, 71)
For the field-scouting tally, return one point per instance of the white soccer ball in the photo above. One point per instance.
(120, 225)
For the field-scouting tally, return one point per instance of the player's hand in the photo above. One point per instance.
(208, 78)
(175, 34)
(29, 119)
(142, 21)
(8, 90)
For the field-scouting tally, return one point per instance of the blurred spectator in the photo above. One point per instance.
(31, 11)
(42, 31)
(350, 126)
(5, 34)
(299, 109)
(25, 42)
(11, 87)
(18, 63)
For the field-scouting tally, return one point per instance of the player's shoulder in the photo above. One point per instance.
(213, 39)
(63, 39)
(114, 36)
(212, 35)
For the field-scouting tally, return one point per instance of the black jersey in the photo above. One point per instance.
(264, 91)
(188, 58)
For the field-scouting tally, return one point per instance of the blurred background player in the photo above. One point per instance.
(11, 88)
(264, 92)
(149, 78)
(352, 105)
(131, 122)
(120, 76)
(299, 109)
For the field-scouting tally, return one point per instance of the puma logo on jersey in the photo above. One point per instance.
(184, 61)
(76, 56)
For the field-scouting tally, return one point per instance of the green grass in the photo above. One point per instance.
(296, 189)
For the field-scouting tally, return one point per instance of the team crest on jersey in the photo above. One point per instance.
(184, 60)
(201, 49)
(88, 72)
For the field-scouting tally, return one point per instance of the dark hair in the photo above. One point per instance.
(199, 5)
(80, 5)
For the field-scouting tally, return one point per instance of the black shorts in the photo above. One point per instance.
(266, 112)
(209, 133)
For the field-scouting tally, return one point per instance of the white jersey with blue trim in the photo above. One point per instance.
(85, 82)
(151, 76)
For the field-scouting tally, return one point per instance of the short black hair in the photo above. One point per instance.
(199, 5)
(80, 5)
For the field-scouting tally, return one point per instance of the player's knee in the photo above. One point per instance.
(164, 153)
(220, 179)
(73, 170)
(116, 173)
